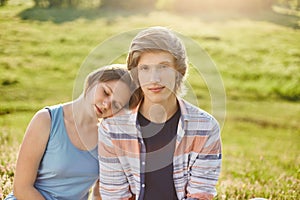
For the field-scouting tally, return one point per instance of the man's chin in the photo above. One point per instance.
(160, 99)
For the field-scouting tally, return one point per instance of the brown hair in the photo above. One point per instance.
(110, 73)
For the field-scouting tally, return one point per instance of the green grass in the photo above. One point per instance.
(261, 151)
(258, 56)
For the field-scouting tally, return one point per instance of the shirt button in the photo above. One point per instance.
(143, 185)
(143, 163)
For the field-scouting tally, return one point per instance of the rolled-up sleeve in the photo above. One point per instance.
(205, 171)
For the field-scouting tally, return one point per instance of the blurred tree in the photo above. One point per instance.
(290, 4)
(46, 3)
(128, 4)
(3, 2)
(55, 3)
(67, 3)
(235, 5)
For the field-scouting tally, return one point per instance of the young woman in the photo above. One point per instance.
(58, 156)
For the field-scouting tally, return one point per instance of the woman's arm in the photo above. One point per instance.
(30, 155)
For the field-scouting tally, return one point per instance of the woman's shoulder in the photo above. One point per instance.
(43, 116)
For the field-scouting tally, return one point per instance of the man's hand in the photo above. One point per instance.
(95, 192)
(200, 196)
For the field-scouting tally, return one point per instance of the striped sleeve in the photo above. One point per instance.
(205, 171)
(113, 181)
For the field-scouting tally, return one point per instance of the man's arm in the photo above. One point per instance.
(204, 173)
(113, 181)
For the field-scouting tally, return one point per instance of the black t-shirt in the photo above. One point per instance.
(160, 140)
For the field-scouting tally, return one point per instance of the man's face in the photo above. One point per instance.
(157, 76)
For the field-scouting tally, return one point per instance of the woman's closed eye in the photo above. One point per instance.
(106, 92)
(116, 105)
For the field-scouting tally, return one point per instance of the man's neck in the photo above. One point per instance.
(158, 112)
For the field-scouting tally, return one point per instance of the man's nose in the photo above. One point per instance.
(154, 76)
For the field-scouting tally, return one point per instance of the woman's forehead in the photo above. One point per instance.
(119, 89)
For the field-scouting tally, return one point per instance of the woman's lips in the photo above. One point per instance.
(99, 110)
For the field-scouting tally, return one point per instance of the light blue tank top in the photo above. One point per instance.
(65, 172)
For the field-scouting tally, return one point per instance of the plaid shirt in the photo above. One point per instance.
(196, 160)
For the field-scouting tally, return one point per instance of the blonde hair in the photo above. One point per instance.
(158, 39)
(110, 73)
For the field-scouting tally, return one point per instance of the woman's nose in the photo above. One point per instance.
(106, 103)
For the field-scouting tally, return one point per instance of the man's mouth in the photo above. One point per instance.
(156, 89)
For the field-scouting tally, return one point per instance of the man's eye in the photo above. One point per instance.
(143, 67)
(162, 66)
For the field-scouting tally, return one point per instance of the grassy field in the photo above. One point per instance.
(257, 55)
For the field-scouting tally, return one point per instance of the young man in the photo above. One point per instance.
(166, 149)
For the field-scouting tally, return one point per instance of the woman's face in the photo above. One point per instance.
(108, 98)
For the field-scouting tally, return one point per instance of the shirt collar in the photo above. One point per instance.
(182, 106)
